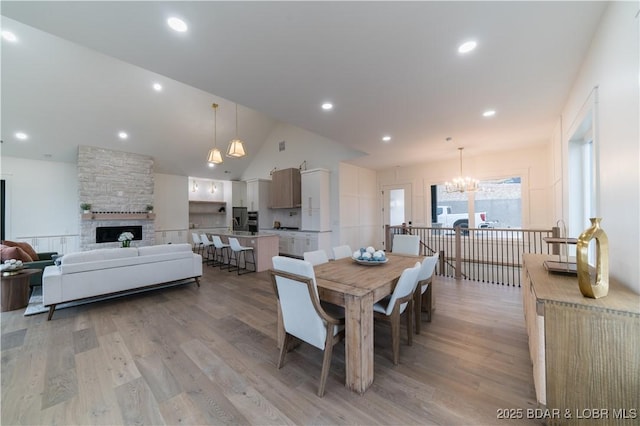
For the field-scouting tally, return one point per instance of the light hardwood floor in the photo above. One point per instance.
(207, 356)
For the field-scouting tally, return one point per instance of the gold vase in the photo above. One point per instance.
(601, 286)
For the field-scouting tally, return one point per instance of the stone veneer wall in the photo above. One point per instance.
(117, 182)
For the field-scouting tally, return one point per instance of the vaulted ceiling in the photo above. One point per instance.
(80, 72)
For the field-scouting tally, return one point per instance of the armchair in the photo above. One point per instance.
(45, 259)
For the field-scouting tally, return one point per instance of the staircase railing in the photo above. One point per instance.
(480, 254)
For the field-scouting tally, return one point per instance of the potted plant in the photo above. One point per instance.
(86, 207)
(149, 208)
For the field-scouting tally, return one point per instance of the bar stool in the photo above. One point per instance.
(219, 250)
(238, 251)
(197, 244)
(206, 245)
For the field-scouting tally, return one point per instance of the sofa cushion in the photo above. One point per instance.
(16, 253)
(24, 246)
(164, 248)
(98, 255)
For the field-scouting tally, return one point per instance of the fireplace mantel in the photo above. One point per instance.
(118, 216)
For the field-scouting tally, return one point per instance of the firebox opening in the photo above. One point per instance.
(110, 234)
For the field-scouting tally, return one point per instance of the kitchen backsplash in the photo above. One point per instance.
(287, 218)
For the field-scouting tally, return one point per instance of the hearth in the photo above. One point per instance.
(109, 234)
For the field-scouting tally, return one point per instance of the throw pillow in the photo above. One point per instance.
(16, 253)
(24, 246)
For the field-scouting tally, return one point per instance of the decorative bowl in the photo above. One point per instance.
(371, 262)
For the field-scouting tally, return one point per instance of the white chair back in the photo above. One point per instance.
(234, 244)
(299, 316)
(217, 241)
(195, 238)
(406, 244)
(316, 257)
(427, 267)
(405, 286)
(205, 239)
(342, 252)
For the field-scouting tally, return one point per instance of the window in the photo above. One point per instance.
(498, 204)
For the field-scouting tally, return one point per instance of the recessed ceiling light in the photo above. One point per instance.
(9, 36)
(211, 165)
(157, 87)
(177, 24)
(489, 113)
(21, 135)
(386, 138)
(123, 135)
(327, 106)
(467, 46)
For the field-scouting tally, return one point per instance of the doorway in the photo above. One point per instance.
(396, 206)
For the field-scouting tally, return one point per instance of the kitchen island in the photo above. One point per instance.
(265, 246)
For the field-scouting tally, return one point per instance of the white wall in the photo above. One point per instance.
(531, 163)
(612, 64)
(42, 198)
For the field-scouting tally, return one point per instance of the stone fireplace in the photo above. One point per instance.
(119, 186)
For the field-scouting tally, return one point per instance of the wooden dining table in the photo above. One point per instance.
(357, 287)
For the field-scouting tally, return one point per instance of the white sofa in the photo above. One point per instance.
(106, 271)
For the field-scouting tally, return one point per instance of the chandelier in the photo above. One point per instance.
(215, 156)
(462, 184)
(236, 146)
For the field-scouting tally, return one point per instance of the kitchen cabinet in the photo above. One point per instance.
(315, 200)
(285, 189)
(174, 236)
(295, 243)
(258, 195)
(238, 194)
(59, 243)
(579, 344)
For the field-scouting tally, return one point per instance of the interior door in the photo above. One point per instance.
(396, 206)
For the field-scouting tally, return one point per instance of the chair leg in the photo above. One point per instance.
(395, 335)
(284, 345)
(417, 298)
(410, 320)
(427, 302)
(326, 362)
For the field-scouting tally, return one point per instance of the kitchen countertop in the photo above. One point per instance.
(243, 234)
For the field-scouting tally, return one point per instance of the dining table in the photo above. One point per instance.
(356, 287)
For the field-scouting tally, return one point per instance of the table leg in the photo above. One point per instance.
(359, 342)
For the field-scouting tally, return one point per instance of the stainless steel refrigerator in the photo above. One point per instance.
(240, 219)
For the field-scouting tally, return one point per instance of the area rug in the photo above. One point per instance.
(35, 305)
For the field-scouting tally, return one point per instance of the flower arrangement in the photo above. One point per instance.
(85, 206)
(125, 238)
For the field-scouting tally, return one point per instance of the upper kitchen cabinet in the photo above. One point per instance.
(238, 194)
(285, 189)
(258, 195)
(315, 200)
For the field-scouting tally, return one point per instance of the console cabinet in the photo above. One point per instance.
(585, 352)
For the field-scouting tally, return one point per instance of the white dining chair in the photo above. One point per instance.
(424, 289)
(391, 308)
(303, 316)
(206, 246)
(197, 244)
(316, 257)
(219, 251)
(406, 244)
(238, 254)
(340, 252)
